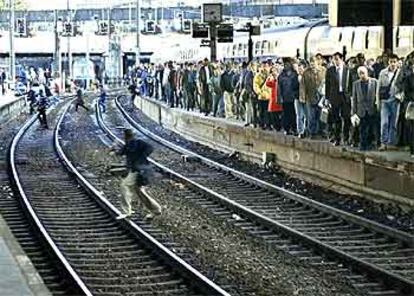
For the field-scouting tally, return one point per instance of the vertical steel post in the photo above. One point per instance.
(389, 26)
(69, 54)
(213, 42)
(250, 43)
(138, 19)
(12, 69)
(56, 60)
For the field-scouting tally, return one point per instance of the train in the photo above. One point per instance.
(303, 41)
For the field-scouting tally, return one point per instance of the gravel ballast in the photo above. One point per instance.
(226, 254)
(388, 214)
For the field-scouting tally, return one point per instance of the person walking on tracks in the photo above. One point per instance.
(139, 171)
(102, 99)
(79, 100)
(42, 105)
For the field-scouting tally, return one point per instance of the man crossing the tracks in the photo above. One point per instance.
(139, 172)
(79, 100)
(102, 99)
(42, 105)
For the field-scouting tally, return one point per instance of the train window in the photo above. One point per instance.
(353, 39)
(359, 40)
(374, 37)
(340, 37)
(276, 44)
(404, 36)
(240, 50)
(258, 46)
(366, 39)
(265, 47)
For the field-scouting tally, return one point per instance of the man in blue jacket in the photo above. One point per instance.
(288, 92)
(139, 173)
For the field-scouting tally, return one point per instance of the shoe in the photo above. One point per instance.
(121, 217)
(148, 217)
(412, 155)
(336, 143)
(382, 148)
(301, 136)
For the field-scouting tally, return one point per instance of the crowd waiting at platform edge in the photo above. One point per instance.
(366, 104)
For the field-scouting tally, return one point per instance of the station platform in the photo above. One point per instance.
(381, 176)
(10, 105)
(7, 99)
(18, 277)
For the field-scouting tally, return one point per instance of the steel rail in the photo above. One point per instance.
(70, 272)
(405, 284)
(196, 278)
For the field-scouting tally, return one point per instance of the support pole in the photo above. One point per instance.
(213, 42)
(388, 26)
(12, 68)
(56, 59)
(250, 43)
(138, 18)
(109, 70)
(69, 54)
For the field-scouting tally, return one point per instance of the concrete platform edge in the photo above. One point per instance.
(29, 272)
(12, 109)
(320, 163)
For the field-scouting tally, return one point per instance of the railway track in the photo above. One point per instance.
(95, 253)
(374, 257)
(12, 212)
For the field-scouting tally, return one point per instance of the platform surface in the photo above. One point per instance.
(7, 98)
(383, 176)
(18, 276)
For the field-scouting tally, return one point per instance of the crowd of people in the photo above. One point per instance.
(354, 102)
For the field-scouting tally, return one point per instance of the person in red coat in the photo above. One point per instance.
(274, 108)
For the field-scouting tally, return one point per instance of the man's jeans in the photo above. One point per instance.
(300, 109)
(228, 104)
(389, 118)
(313, 114)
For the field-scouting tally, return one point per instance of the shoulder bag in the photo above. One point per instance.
(384, 91)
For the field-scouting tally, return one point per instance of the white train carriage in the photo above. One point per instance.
(306, 40)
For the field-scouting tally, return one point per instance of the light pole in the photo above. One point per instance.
(57, 63)
(69, 54)
(11, 39)
(138, 18)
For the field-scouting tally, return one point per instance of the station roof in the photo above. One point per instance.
(44, 43)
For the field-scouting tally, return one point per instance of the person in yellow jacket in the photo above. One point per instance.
(263, 94)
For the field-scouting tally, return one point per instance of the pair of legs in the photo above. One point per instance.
(42, 118)
(81, 104)
(130, 192)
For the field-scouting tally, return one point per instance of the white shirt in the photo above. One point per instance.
(165, 77)
(207, 73)
(390, 75)
(340, 74)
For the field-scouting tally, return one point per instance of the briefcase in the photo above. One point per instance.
(324, 115)
(409, 112)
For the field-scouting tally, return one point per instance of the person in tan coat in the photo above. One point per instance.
(313, 82)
